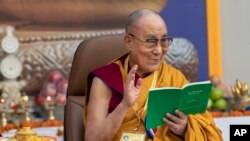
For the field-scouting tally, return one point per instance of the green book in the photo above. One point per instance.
(192, 98)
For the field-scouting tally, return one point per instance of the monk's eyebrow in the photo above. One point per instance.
(165, 35)
(154, 37)
(151, 37)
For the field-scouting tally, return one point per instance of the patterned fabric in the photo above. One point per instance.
(151, 132)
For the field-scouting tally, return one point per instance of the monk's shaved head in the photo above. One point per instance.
(134, 17)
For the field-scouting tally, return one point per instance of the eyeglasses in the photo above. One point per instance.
(165, 42)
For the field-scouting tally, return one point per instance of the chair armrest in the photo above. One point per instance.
(73, 119)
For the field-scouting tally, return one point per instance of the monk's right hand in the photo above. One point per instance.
(131, 90)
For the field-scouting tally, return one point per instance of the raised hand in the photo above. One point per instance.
(131, 90)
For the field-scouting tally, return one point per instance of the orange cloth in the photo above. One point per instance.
(201, 127)
(167, 76)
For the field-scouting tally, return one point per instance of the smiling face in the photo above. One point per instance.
(148, 58)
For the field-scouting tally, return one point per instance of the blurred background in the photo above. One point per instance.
(39, 38)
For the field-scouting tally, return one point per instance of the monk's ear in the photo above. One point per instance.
(127, 41)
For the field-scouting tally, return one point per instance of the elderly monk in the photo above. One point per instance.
(117, 93)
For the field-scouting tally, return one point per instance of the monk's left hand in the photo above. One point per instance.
(178, 125)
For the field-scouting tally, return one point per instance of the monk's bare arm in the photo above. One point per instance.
(100, 124)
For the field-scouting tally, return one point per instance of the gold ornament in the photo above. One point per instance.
(241, 97)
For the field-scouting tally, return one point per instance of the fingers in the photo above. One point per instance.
(174, 127)
(175, 119)
(180, 114)
(131, 75)
(179, 118)
(133, 70)
(177, 124)
(171, 124)
(139, 83)
(132, 89)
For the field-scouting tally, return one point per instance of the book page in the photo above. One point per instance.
(195, 83)
(194, 98)
(163, 88)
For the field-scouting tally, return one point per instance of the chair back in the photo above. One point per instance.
(90, 54)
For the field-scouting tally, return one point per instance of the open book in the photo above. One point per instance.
(192, 98)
